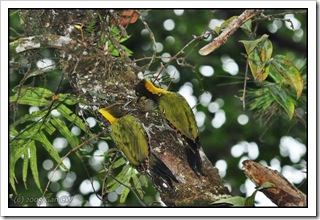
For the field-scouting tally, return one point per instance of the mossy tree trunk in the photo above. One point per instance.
(102, 79)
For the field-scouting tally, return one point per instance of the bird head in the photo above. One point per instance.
(113, 112)
(146, 89)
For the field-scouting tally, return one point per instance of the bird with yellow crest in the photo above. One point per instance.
(131, 138)
(177, 112)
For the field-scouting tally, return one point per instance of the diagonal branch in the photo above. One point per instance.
(43, 41)
(232, 27)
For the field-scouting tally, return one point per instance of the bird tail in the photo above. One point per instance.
(193, 155)
(160, 169)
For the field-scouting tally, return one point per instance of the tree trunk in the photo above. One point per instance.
(103, 79)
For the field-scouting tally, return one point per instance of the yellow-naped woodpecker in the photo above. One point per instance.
(131, 138)
(176, 110)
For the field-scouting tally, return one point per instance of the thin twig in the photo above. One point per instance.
(108, 171)
(149, 58)
(114, 15)
(244, 87)
(65, 156)
(179, 52)
(131, 189)
(271, 17)
(278, 16)
(154, 47)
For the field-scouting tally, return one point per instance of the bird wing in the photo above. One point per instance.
(129, 134)
(178, 112)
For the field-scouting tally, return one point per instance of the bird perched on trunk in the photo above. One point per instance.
(176, 110)
(131, 138)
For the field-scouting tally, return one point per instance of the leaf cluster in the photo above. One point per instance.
(32, 131)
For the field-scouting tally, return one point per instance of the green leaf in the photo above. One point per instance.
(27, 100)
(127, 50)
(250, 200)
(224, 24)
(283, 99)
(64, 130)
(47, 126)
(73, 118)
(143, 179)
(48, 147)
(217, 30)
(234, 201)
(137, 184)
(259, 52)
(34, 165)
(32, 96)
(247, 26)
(34, 91)
(119, 162)
(227, 22)
(266, 51)
(12, 178)
(259, 56)
(122, 177)
(284, 69)
(117, 36)
(25, 166)
(113, 185)
(124, 38)
(17, 149)
(28, 132)
(68, 99)
(34, 116)
(267, 185)
(251, 45)
(124, 193)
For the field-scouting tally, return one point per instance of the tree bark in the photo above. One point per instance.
(284, 194)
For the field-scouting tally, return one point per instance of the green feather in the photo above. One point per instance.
(129, 134)
(176, 110)
(131, 139)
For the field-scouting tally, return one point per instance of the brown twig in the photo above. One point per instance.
(280, 16)
(232, 27)
(285, 194)
(153, 40)
(178, 53)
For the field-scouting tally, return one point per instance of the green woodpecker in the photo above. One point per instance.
(131, 138)
(176, 110)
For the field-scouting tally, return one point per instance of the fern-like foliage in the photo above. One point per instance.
(129, 178)
(33, 130)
